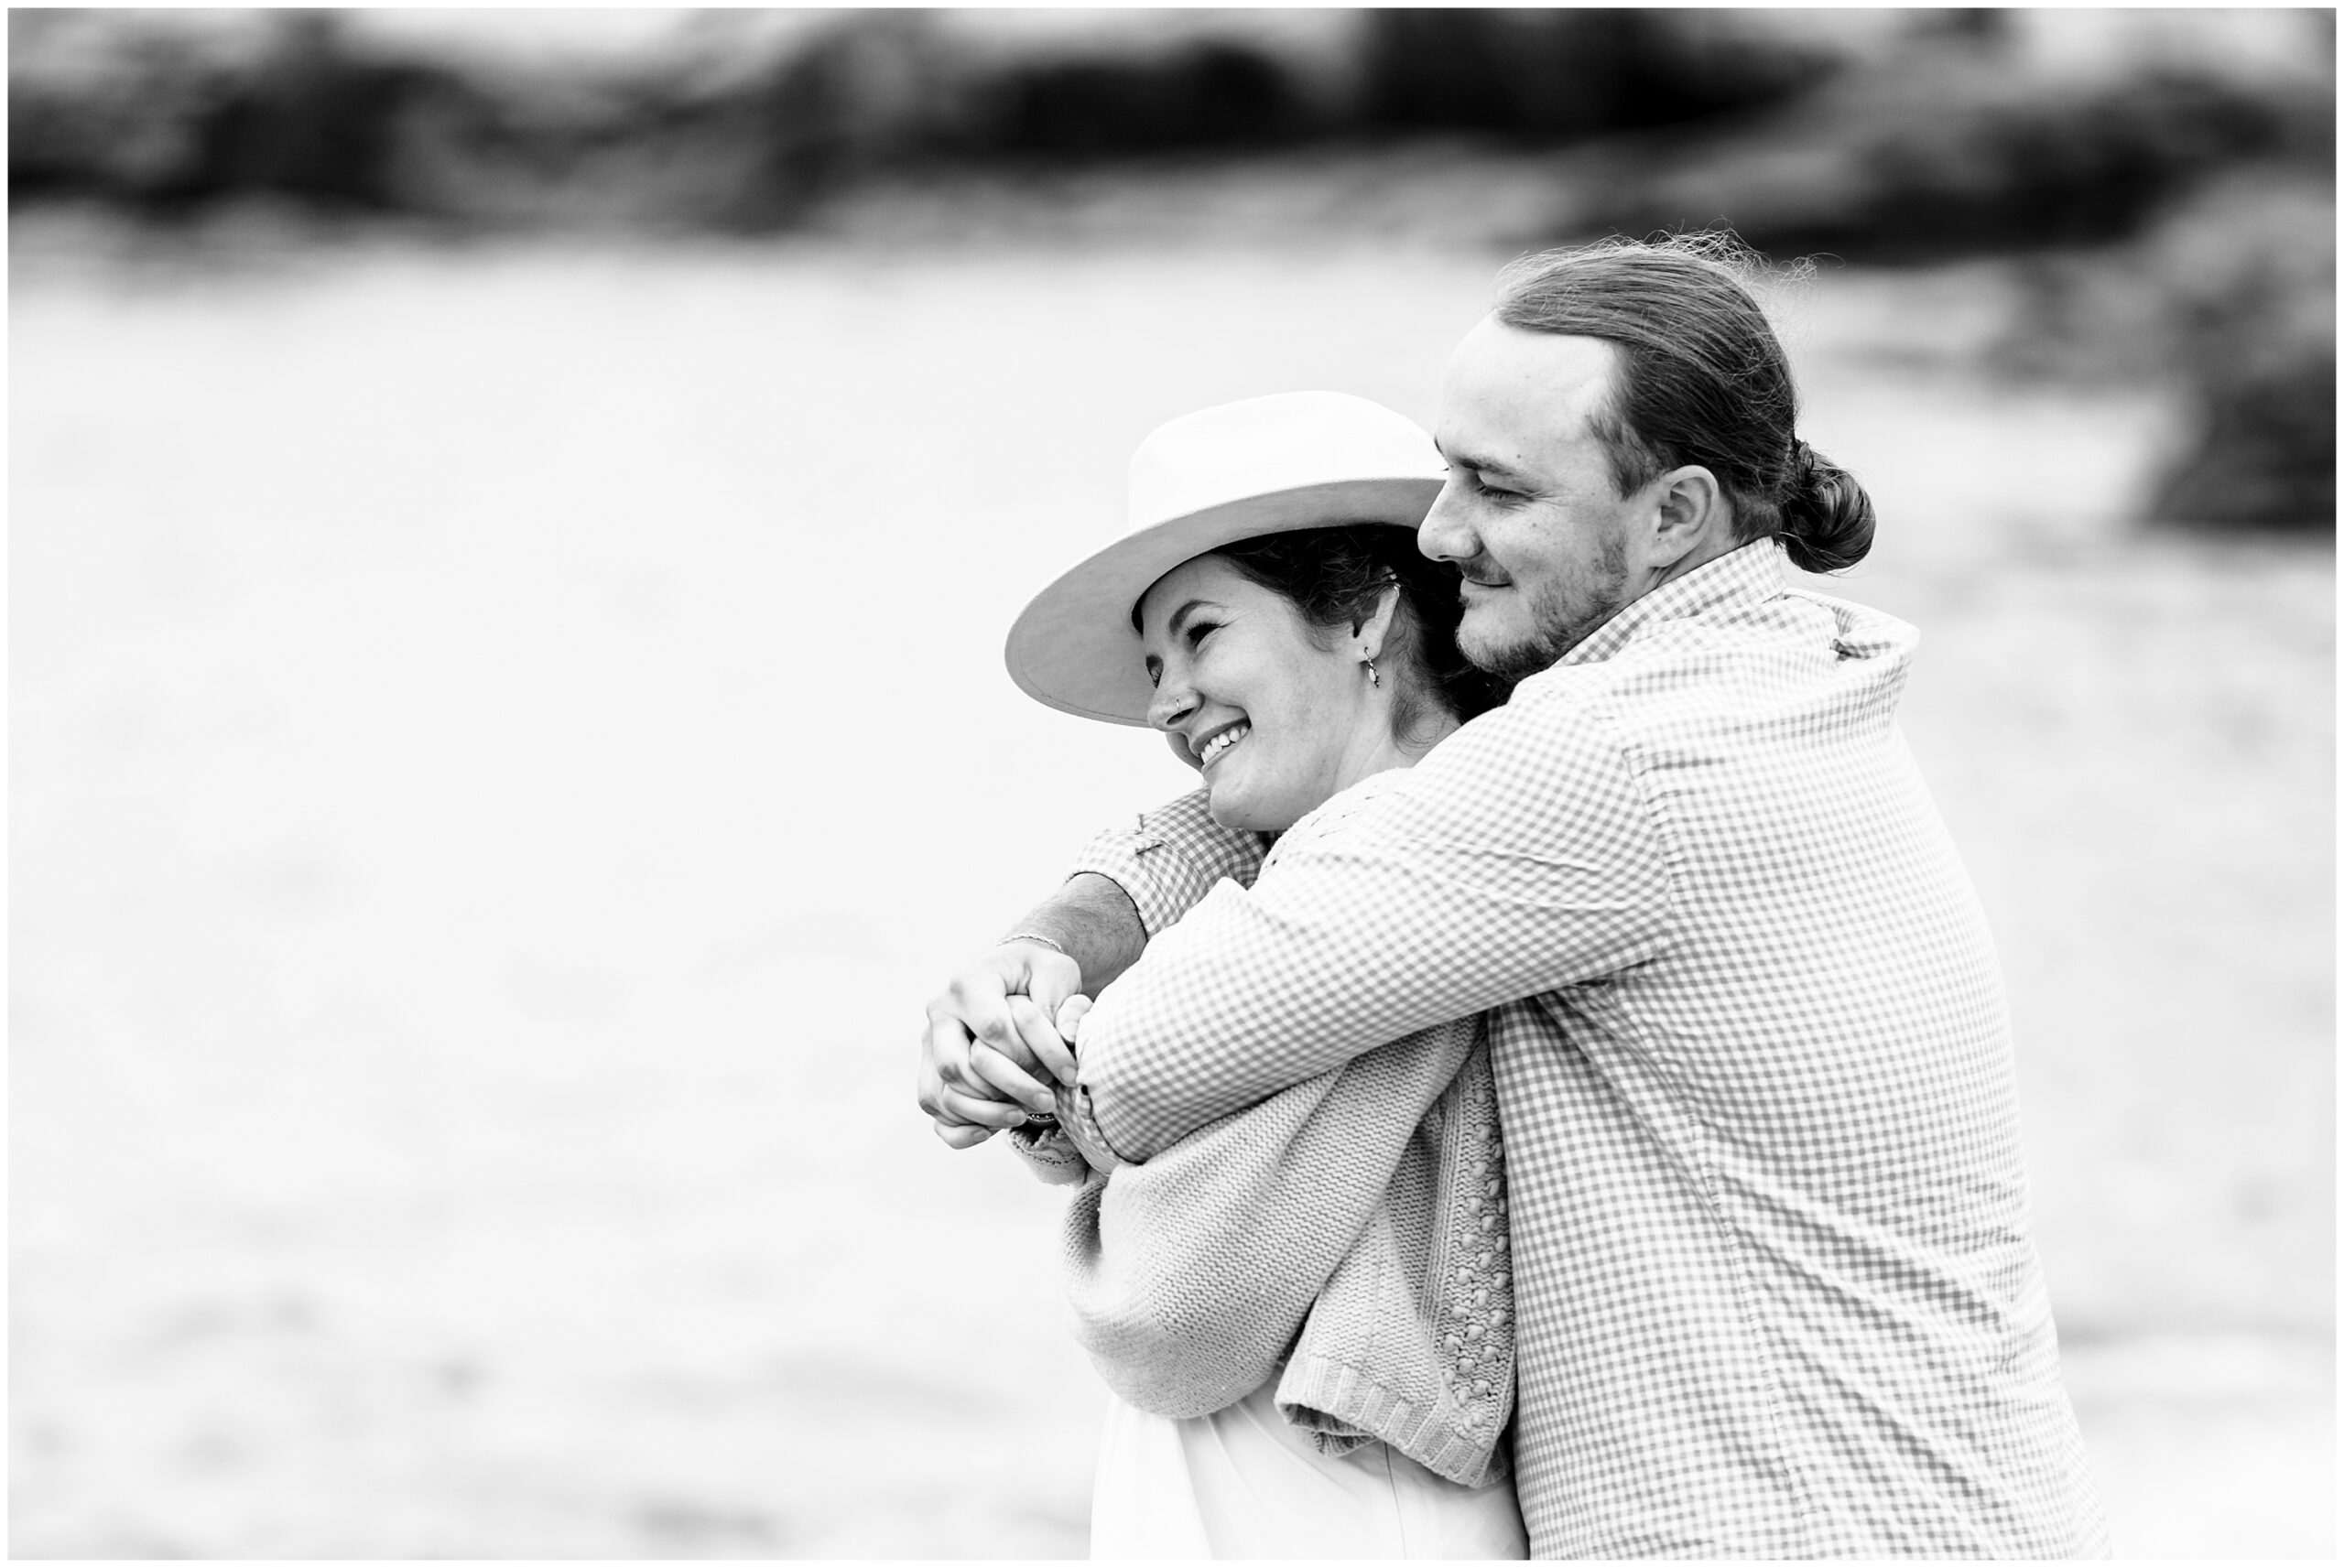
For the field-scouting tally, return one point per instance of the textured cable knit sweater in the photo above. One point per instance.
(1346, 1235)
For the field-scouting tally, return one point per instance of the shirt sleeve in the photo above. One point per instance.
(1520, 857)
(1168, 858)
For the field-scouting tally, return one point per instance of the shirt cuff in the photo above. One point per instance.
(1166, 859)
(1081, 1127)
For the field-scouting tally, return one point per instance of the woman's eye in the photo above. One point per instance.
(1197, 630)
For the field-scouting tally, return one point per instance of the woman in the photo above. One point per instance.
(1303, 1307)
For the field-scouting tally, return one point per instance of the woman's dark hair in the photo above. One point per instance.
(1336, 577)
(1701, 379)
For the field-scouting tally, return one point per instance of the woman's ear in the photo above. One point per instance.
(1372, 631)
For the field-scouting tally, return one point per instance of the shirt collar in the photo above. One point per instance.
(1751, 574)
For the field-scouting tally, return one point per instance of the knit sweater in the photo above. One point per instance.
(1346, 1235)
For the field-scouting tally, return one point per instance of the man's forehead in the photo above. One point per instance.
(1557, 362)
(1503, 378)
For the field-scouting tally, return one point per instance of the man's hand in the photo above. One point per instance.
(991, 1045)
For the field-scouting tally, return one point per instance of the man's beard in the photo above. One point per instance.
(1563, 614)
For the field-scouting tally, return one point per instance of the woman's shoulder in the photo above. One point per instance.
(1334, 811)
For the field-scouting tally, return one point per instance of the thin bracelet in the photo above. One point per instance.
(1034, 937)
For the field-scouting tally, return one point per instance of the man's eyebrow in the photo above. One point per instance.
(1483, 465)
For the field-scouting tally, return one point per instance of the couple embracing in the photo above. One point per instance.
(1549, 1092)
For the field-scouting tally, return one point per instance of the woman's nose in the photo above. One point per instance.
(1174, 702)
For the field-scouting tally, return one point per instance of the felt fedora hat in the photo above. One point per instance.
(1298, 459)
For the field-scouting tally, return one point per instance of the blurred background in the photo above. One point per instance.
(513, 519)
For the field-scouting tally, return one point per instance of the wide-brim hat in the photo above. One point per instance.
(1268, 465)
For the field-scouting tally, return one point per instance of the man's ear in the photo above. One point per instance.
(1690, 510)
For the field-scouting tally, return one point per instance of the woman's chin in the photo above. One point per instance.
(1226, 812)
(1231, 810)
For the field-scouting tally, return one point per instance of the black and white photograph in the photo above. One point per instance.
(1172, 783)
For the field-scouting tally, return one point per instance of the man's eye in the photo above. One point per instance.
(1482, 487)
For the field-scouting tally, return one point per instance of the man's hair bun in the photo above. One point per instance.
(1827, 519)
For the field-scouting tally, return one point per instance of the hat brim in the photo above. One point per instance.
(1074, 648)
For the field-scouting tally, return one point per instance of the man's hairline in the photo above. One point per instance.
(1604, 407)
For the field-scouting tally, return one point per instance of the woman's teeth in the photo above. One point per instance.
(1223, 741)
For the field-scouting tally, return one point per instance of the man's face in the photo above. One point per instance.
(1529, 514)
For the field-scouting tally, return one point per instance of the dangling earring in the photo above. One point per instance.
(1371, 679)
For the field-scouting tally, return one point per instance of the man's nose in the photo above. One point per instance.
(1444, 535)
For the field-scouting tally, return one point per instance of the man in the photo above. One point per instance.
(1776, 1291)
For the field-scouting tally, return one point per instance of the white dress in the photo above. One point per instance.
(1243, 1482)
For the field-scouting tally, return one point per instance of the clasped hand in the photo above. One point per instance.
(998, 1040)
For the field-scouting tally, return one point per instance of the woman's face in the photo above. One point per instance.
(1244, 692)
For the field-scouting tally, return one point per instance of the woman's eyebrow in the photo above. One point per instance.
(1180, 616)
(1172, 627)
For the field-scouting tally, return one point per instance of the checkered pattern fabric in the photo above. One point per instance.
(1776, 1290)
(1172, 857)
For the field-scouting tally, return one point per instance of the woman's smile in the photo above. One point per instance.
(1221, 742)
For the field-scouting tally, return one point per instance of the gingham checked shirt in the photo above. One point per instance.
(1776, 1291)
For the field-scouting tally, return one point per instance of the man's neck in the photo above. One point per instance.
(1634, 611)
(1693, 560)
